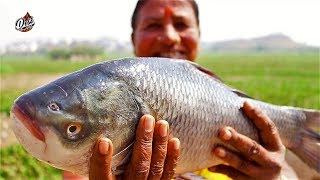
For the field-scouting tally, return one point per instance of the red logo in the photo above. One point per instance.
(25, 23)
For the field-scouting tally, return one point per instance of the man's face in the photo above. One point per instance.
(166, 28)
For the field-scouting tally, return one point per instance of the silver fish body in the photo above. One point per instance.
(107, 100)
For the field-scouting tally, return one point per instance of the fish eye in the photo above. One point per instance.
(73, 129)
(54, 106)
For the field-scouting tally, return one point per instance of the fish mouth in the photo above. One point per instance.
(31, 125)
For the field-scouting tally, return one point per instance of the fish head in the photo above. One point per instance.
(59, 124)
(52, 124)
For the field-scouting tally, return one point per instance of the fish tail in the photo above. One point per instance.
(307, 146)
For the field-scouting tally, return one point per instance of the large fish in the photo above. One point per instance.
(59, 123)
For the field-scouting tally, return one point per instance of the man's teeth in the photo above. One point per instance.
(171, 54)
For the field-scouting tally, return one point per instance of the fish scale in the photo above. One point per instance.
(192, 111)
(227, 107)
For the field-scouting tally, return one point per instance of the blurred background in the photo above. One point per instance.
(268, 49)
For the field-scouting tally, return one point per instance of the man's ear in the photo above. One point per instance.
(132, 38)
(133, 43)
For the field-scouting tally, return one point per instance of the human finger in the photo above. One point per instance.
(142, 150)
(267, 129)
(243, 165)
(229, 171)
(246, 146)
(100, 161)
(159, 149)
(172, 159)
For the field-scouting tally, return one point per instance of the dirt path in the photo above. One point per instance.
(26, 81)
(7, 136)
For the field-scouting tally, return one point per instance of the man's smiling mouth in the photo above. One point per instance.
(173, 54)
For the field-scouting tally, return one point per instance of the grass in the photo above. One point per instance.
(7, 99)
(284, 79)
(16, 163)
(11, 65)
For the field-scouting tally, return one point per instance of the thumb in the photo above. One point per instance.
(100, 161)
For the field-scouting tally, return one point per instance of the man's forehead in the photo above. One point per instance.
(159, 9)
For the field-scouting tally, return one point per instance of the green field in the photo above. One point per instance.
(291, 79)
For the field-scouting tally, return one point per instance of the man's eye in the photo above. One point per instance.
(180, 25)
(153, 26)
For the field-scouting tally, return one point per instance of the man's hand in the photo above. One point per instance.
(253, 160)
(154, 156)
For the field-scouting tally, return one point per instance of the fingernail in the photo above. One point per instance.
(227, 134)
(176, 144)
(220, 152)
(103, 147)
(163, 130)
(148, 124)
(249, 104)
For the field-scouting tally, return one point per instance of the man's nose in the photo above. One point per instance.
(171, 35)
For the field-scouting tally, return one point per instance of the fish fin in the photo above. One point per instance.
(121, 166)
(206, 71)
(240, 93)
(217, 78)
(307, 146)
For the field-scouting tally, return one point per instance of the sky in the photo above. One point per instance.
(220, 19)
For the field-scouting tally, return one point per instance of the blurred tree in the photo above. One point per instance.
(77, 53)
(59, 54)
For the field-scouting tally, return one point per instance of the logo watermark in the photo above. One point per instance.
(25, 23)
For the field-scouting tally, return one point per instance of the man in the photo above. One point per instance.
(166, 28)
